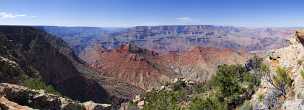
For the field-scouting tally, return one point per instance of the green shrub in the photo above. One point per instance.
(200, 88)
(207, 103)
(163, 100)
(228, 89)
(227, 79)
(280, 81)
(234, 83)
(38, 84)
(131, 104)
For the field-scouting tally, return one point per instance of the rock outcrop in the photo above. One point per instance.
(18, 97)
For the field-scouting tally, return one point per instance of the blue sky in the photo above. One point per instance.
(125, 13)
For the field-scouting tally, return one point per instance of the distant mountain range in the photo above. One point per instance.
(175, 38)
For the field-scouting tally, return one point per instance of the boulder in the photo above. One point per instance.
(90, 105)
(5, 104)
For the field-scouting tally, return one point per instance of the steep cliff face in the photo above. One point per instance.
(29, 52)
(52, 60)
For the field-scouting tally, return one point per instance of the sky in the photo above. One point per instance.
(127, 13)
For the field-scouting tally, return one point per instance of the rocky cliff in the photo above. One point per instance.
(31, 53)
(291, 58)
(279, 85)
(52, 60)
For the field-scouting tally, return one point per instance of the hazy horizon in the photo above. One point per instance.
(130, 13)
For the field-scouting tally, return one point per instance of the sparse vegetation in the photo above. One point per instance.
(246, 106)
(228, 89)
(38, 85)
(260, 97)
(208, 103)
(280, 81)
(302, 73)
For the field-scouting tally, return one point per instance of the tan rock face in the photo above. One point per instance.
(90, 105)
(300, 35)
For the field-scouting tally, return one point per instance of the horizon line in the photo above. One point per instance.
(75, 26)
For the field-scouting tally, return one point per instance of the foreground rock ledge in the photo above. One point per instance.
(15, 97)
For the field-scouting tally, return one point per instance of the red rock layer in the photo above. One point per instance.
(147, 69)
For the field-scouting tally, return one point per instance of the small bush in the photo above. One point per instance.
(235, 83)
(163, 100)
(280, 81)
(200, 88)
(179, 85)
(208, 103)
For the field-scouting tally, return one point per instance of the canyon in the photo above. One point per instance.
(146, 56)
(113, 65)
